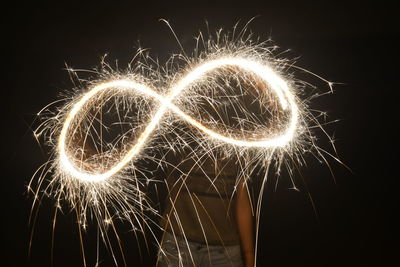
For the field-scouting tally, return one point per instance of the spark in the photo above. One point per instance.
(279, 86)
(162, 108)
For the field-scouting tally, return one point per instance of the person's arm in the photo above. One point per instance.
(244, 220)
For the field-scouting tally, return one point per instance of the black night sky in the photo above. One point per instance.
(351, 42)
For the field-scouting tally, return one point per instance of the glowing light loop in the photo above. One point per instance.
(264, 72)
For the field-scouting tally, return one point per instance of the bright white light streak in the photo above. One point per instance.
(264, 72)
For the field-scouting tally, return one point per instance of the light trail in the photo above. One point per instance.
(162, 110)
(262, 71)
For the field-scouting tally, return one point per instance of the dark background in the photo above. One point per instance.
(353, 43)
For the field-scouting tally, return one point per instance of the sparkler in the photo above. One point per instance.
(264, 73)
(107, 185)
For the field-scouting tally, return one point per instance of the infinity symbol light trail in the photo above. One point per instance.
(279, 87)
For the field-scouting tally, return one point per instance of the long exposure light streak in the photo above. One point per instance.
(265, 73)
(110, 141)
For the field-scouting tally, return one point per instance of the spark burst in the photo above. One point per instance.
(165, 108)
